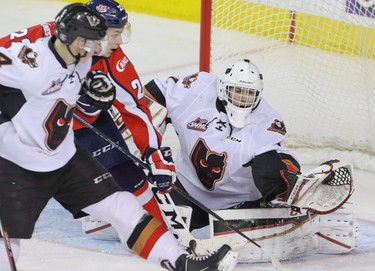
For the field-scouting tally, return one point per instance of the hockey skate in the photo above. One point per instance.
(223, 259)
(322, 190)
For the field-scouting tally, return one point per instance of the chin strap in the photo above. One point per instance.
(76, 57)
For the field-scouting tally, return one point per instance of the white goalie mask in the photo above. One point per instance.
(240, 89)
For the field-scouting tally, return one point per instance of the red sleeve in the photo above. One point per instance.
(131, 102)
(29, 35)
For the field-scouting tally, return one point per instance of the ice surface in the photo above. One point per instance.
(158, 47)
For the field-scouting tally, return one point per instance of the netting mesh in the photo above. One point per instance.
(318, 62)
(340, 176)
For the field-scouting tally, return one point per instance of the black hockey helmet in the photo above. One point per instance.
(79, 20)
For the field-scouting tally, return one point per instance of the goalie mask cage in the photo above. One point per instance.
(318, 62)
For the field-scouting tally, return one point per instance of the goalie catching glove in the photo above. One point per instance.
(162, 167)
(98, 90)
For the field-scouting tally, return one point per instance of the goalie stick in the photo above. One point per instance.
(8, 248)
(275, 262)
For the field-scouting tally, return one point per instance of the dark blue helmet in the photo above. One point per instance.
(79, 20)
(114, 13)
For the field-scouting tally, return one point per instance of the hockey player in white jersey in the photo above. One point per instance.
(232, 140)
(39, 86)
(232, 156)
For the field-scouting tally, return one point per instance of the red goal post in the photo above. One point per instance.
(318, 61)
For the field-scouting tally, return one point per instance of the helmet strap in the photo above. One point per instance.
(76, 57)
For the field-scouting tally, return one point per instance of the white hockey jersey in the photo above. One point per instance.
(37, 134)
(212, 154)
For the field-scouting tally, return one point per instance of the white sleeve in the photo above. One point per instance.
(166, 84)
(11, 67)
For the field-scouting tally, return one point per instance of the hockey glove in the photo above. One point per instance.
(98, 90)
(162, 167)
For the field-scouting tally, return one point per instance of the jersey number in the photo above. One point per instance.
(136, 85)
(4, 60)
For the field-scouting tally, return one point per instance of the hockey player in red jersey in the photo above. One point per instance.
(39, 86)
(130, 103)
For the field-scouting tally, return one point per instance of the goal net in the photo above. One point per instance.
(317, 58)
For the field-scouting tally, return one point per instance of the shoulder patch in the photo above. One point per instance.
(28, 56)
(187, 81)
(278, 127)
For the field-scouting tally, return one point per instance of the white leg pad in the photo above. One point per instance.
(338, 231)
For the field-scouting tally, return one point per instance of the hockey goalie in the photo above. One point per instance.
(232, 160)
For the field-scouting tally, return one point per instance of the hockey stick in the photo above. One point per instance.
(8, 248)
(275, 262)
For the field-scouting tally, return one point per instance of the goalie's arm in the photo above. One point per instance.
(156, 89)
(152, 91)
(266, 169)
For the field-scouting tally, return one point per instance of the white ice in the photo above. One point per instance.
(161, 47)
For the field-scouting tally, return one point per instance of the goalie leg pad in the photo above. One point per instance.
(338, 230)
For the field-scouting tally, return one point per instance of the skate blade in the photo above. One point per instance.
(229, 261)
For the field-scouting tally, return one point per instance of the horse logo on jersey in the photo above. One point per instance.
(198, 125)
(209, 165)
(277, 126)
(28, 56)
(188, 80)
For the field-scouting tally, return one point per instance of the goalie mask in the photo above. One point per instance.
(240, 90)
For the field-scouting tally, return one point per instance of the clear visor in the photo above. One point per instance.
(115, 36)
(119, 35)
(241, 97)
(92, 45)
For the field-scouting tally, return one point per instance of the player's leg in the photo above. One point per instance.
(150, 239)
(23, 196)
(88, 187)
(131, 178)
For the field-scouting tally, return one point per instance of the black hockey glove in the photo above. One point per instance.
(162, 167)
(98, 90)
